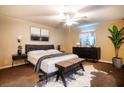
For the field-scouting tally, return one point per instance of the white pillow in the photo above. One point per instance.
(52, 51)
(36, 52)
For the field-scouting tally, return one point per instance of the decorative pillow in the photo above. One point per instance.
(36, 52)
(52, 51)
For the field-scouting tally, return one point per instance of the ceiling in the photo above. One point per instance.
(52, 15)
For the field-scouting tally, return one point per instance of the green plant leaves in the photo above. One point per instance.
(19, 47)
(115, 29)
(117, 36)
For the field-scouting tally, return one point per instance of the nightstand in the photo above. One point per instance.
(18, 57)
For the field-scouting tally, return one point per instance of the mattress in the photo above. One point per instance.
(48, 65)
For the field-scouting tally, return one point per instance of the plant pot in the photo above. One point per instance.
(117, 62)
(19, 52)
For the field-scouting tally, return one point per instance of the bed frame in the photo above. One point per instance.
(29, 47)
(42, 75)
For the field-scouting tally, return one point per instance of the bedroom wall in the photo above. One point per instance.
(71, 39)
(10, 28)
(102, 40)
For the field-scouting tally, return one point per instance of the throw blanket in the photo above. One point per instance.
(37, 67)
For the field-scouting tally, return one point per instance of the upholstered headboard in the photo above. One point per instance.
(29, 47)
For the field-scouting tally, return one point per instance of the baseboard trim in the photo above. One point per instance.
(4, 67)
(105, 61)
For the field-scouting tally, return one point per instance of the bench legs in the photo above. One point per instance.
(63, 78)
(82, 67)
(78, 73)
(57, 77)
(60, 73)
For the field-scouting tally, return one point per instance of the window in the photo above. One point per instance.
(87, 39)
(87, 35)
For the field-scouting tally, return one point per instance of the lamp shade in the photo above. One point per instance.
(19, 38)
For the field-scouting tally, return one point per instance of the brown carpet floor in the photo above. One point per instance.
(23, 76)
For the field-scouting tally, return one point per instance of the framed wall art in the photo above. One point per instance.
(38, 34)
(35, 34)
(44, 35)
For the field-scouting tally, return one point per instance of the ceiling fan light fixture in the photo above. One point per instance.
(68, 23)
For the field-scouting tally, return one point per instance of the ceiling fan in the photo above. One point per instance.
(76, 15)
(69, 19)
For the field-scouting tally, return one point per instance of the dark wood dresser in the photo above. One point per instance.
(92, 53)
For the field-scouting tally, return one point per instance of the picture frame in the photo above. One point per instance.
(35, 34)
(44, 35)
(39, 34)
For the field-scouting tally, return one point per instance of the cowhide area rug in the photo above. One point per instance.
(81, 81)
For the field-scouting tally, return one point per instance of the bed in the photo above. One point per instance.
(47, 65)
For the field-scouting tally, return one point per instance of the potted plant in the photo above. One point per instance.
(19, 49)
(117, 38)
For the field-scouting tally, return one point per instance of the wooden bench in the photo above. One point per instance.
(68, 66)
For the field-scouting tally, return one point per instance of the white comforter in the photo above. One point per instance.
(48, 65)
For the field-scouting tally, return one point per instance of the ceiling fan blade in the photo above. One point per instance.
(78, 19)
(92, 8)
(60, 24)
